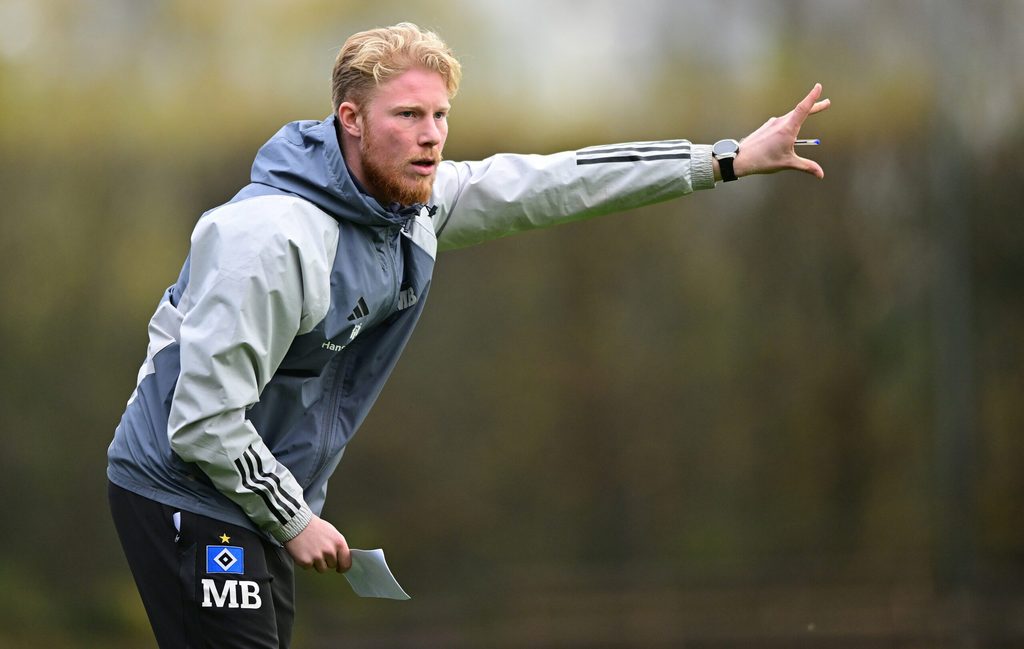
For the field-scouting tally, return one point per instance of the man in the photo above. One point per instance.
(292, 308)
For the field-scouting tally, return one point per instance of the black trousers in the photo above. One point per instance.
(209, 584)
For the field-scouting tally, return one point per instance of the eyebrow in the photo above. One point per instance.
(419, 107)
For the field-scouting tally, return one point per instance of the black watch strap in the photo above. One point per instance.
(725, 166)
(725, 151)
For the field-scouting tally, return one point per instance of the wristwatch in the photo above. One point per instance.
(725, 151)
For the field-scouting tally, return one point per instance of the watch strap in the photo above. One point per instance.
(725, 166)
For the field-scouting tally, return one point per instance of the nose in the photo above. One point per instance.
(430, 134)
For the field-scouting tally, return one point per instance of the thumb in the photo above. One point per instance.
(344, 559)
(811, 167)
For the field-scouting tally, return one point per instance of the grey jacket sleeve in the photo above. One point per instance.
(252, 287)
(509, 193)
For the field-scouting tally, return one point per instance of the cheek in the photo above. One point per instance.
(392, 151)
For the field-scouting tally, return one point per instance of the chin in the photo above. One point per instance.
(418, 191)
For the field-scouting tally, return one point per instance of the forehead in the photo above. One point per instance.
(416, 86)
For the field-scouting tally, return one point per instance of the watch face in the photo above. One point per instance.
(725, 147)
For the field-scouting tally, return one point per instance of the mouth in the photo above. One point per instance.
(424, 166)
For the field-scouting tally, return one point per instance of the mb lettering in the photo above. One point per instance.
(234, 594)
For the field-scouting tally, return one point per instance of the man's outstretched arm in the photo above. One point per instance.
(510, 193)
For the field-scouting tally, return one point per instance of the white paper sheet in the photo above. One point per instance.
(370, 576)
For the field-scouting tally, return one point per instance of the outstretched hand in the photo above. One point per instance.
(770, 148)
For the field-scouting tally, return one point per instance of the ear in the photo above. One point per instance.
(351, 119)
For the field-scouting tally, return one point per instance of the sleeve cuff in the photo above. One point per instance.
(290, 530)
(702, 172)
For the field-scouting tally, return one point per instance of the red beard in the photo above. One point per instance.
(390, 180)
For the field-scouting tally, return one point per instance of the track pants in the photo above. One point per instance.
(205, 584)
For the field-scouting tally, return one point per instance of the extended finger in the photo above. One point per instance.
(803, 109)
(820, 106)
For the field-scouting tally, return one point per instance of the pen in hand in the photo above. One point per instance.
(814, 141)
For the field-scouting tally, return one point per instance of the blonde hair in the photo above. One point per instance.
(372, 57)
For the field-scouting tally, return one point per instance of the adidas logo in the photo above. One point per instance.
(361, 311)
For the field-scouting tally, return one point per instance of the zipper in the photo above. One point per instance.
(327, 425)
(329, 421)
(391, 240)
(393, 245)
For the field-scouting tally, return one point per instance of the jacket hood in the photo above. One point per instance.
(304, 158)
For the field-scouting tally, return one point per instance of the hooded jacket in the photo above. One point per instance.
(298, 296)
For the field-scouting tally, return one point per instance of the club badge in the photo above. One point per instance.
(225, 560)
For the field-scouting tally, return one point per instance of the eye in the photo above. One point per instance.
(407, 113)
(440, 115)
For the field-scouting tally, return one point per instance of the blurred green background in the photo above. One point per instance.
(780, 413)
